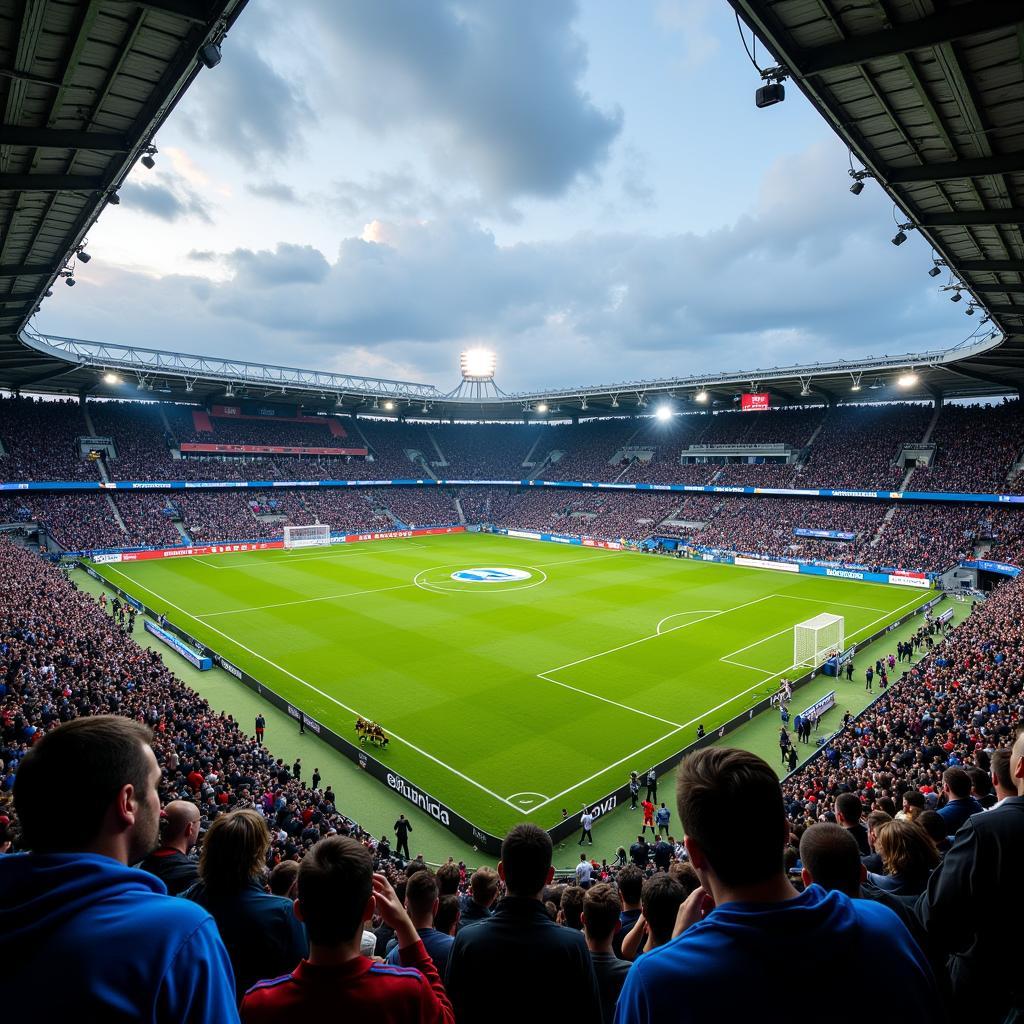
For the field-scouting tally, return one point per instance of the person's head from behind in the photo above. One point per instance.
(906, 850)
(525, 865)
(335, 891)
(682, 871)
(283, 877)
(1002, 780)
(116, 812)
(483, 886)
(935, 825)
(180, 825)
(421, 897)
(661, 898)
(448, 912)
(913, 803)
(631, 882)
(876, 819)
(1017, 759)
(956, 783)
(600, 915)
(830, 857)
(848, 809)
(234, 851)
(448, 879)
(731, 810)
(571, 906)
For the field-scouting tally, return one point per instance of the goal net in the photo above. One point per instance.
(318, 535)
(817, 638)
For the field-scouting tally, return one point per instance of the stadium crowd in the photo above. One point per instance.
(937, 740)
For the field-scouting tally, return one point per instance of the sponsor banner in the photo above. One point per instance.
(201, 662)
(824, 534)
(820, 706)
(1001, 568)
(204, 549)
(300, 716)
(228, 667)
(137, 605)
(945, 616)
(755, 401)
(904, 580)
(101, 559)
(609, 545)
(266, 449)
(524, 534)
(761, 563)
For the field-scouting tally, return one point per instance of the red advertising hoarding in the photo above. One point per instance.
(758, 401)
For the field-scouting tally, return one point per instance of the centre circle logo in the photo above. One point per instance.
(490, 575)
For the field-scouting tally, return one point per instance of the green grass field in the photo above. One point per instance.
(513, 699)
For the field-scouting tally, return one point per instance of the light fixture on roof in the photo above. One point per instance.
(701, 396)
(663, 412)
(774, 91)
(858, 180)
(641, 400)
(935, 271)
(855, 377)
(210, 55)
(339, 401)
(970, 309)
(478, 364)
(389, 405)
(426, 408)
(113, 198)
(83, 255)
(900, 237)
(147, 160)
(69, 278)
(229, 391)
(542, 407)
(615, 401)
(375, 405)
(956, 296)
(907, 380)
(111, 378)
(47, 293)
(855, 387)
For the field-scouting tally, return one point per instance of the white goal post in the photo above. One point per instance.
(816, 638)
(315, 536)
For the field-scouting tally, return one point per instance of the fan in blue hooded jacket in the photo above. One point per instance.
(82, 935)
(746, 922)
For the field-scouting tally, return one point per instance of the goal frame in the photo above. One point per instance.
(814, 638)
(312, 535)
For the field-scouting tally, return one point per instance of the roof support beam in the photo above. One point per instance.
(997, 288)
(962, 218)
(972, 168)
(50, 182)
(24, 269)
(992, 266)
(942, 27)
(190, 10)
(57, 138)
(1006, 310)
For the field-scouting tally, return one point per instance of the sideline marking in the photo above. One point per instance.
(285, 558)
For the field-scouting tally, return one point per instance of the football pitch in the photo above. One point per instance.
(514, 692)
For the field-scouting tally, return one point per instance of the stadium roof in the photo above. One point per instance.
(84, 85)
(928, 94)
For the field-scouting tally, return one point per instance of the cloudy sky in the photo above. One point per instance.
(586, 187)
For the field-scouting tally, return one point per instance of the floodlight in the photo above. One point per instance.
(701, 396)
(542, 407)
(47, 293)
(111, 378)
(855, 387)
(114, 199)
(857, 187)
(663, 412)
(955, 297)
(69, 281)
(899, 238)
(907, 380)
(935, 271)
(84, 256)
(210, 55)
(970, 310)
(389, 405)
(478, 364)
(147, 160)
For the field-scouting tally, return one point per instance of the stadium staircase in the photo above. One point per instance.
(931, 424)
(442, 461)
(458, 508)
(116, 513)
(527, 464)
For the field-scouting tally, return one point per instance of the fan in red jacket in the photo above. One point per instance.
(338, 892)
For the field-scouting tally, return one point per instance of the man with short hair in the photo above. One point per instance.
(849, 810)
(170, 861)
(261, 725)
(956, 784)
(586, 824)
(963, 911)
(733, 927)
(600, 923)
(553, 962)
(663, 816)
(873, 861)
(1002, 781)
(583, 872)
(86, 936)
(640, 852)
(630, 881)
(422, 897)
(337, 893)
(483, 891)
(830, 857)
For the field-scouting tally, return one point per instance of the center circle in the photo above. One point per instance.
(491, 575)
(463, 579)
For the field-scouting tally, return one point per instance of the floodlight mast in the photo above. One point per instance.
(477, 366)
